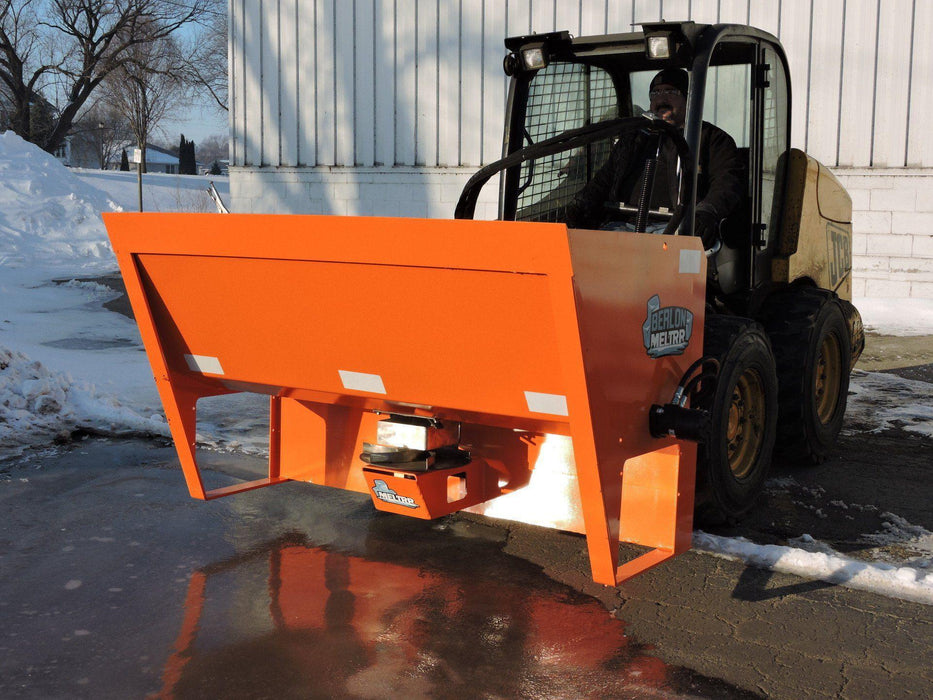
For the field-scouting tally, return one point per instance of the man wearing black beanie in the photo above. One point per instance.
(720, 186)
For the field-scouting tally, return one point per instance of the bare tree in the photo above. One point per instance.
(213, 148)
(100, 133)
(145, 87)
(205, 65)
(61, 51)
(23, 64)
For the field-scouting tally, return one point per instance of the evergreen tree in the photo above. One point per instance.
(181, 154)
(215, 168)
(192, 161)
(186, 162)
(124, 161)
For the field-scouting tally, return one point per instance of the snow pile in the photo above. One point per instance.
(876, 403)
(47, 215)
(905, 582)
(896, 316)
(65, 362)
(910, 540)
(38, 404)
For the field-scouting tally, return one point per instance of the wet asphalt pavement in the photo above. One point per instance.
(115, 584)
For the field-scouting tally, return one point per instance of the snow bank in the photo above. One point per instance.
(63, 359)
(877, 403)
(906, 582)
(48, 217)
(161, 192)
(37, 404)
(901, 317)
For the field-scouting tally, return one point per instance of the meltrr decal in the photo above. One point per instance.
(384, 493)
(667, 329)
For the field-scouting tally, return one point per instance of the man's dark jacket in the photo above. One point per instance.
(720, 182)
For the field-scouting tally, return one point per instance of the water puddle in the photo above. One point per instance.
(297, 620)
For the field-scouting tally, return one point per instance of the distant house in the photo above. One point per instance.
(223, 165)
(64, 152)
(158, 160)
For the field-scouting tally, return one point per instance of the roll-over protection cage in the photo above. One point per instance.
(564, 114)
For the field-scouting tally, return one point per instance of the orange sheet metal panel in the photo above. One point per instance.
(432, 337)
(432, 494)
(640, 308)
(500, 325)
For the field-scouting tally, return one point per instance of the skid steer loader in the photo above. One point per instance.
(592, 381)
(780, 282)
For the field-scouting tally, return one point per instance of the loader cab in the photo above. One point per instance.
(564, 88)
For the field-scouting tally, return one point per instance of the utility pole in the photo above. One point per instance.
(100, 145)
(139, 176)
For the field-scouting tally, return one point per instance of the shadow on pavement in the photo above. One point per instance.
(752, 586)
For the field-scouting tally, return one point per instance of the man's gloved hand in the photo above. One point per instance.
(706, 226)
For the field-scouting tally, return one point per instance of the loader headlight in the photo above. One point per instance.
(668, 40)
(532, 52)
(660, 45)
(534, 57)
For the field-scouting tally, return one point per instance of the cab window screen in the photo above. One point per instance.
(561, 97)
(774, 139)
(727, 102)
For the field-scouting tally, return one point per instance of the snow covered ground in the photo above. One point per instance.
(66, 362)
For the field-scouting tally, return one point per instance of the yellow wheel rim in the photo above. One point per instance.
(745, 428)
(827, 378)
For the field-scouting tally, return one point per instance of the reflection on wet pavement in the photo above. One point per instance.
(116, 584)
(301, 621)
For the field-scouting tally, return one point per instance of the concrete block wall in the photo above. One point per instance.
(399, 191)
(892, 222)
(892, 210)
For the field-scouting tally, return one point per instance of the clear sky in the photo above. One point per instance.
(197, 121)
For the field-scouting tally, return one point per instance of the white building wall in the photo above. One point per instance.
(893, 224)
(387, 106)
(416, 192)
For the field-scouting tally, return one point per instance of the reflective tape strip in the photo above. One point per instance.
(553, 404)
(360, 381)
(690, 262)
(204, 364)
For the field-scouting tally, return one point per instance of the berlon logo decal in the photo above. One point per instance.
(667, 329)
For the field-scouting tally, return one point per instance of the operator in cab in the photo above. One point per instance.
(720, 186)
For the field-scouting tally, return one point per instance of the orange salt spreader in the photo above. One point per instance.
(424, 362)
(518, 368)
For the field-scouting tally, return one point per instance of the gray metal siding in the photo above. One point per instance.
(420, 82)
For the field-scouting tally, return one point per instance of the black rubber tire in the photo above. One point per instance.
(812, 351)
(735, 460)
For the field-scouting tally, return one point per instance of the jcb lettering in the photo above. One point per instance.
(839, 244)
